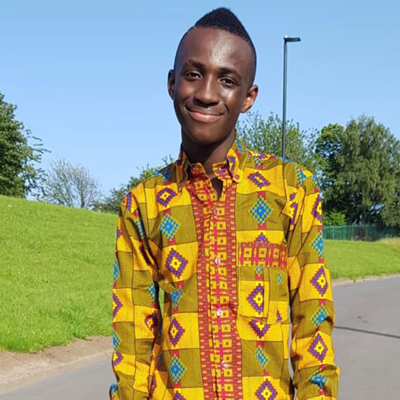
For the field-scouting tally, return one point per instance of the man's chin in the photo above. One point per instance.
(204, 137)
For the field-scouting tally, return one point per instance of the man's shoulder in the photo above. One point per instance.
(291, 171)
(164, 176)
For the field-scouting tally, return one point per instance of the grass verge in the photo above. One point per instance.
(350, 259)
(55, 273)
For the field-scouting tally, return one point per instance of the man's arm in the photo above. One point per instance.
(136, 311)
(312, 311)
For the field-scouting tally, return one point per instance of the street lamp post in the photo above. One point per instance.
(286, 40)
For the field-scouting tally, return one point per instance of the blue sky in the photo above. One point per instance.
(89, 77)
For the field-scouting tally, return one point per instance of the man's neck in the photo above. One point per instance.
(207, 155)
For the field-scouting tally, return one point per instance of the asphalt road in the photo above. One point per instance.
(366, 340)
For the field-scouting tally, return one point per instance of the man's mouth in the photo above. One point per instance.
(203, 115)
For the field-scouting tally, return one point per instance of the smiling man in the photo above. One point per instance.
(234, 240)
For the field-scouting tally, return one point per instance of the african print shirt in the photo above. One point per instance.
(234, 273)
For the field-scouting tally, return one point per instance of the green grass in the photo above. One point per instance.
(350, 259)
(56, 272)
(395, 242)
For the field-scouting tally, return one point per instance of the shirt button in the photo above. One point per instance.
(224, 364)
(217, 261)
(219, 312)
(215, 211)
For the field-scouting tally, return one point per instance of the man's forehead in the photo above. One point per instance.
(214, 44)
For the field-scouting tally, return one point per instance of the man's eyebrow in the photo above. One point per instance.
(195, 63)
(200, 65)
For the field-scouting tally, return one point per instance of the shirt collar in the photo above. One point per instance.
(235, 160)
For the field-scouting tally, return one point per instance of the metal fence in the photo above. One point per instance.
(369, 232)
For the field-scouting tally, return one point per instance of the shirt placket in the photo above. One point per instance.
(220, 345)
(218, 290)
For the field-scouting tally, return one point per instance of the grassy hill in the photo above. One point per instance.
(56, 272)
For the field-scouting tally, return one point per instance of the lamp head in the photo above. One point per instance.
(291, 39)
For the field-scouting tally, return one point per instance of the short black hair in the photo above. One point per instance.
(224, 19)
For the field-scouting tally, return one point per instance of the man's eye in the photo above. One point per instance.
(228, 81)
(193, 75)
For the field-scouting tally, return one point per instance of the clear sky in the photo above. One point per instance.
(89, 77)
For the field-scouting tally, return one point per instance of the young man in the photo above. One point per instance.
(233, 238)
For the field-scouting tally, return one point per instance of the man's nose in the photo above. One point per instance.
(207, 92)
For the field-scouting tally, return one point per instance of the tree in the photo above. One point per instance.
(334, 218)
(266, 136)
(360, 169)
(69, 185)
(391, 211)
(112, 202)
(18, 174)
(327, 148)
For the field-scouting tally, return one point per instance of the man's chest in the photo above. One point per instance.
(243, 226)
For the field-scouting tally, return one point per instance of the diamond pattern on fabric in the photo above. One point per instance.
(176, 368)
(258, 158)
(319, 380)
(239, 145)
(256, 298)
(266, 391)
(176, 296)
(300, 175)
(151, 320)
(117, 358)
(116, 340)
(318, 244)
(169, 227)
(259, 269)
(178, 396)
(176, 263)
(116, 271)
(175, 332)
(128, 200)
(316, 209)
(165, 195)
(259, 327)
(232, 164)
(261, 210)
(320, 282)
(113, 390)
(152, 291)
(318, 348)
(164, 173)
(280, 278)
(262, 357)
(261, 238)
(140, 227)
(259, 180)
(117, 305)
(319, 316)
(295, 207)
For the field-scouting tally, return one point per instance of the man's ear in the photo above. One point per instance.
(171, 83)
(251, 96)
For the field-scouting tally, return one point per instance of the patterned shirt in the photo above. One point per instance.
(235, 272)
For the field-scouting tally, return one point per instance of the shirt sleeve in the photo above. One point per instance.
(316, 375)
(136, 311)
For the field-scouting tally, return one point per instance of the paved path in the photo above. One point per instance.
(366, 338)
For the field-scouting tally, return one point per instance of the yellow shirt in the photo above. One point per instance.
(234, 273)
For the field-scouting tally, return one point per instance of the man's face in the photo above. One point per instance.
(211, 84)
